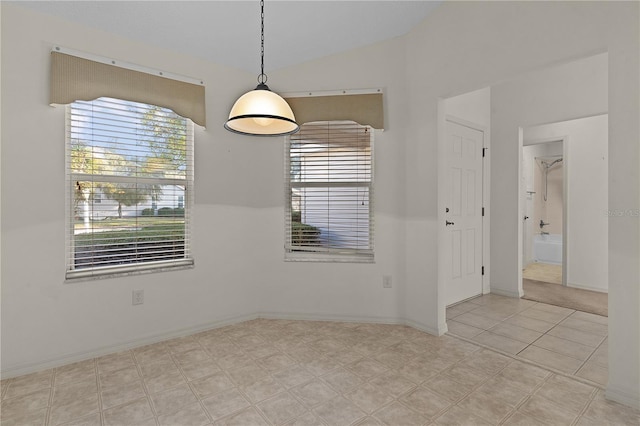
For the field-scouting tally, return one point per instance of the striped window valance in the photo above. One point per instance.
(79, 79)
(363, 108)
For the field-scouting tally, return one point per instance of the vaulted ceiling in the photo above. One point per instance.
(228, 32)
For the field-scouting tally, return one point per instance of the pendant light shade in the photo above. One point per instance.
(261, 112)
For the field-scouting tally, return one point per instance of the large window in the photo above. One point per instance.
(329, 174)
(130, 185)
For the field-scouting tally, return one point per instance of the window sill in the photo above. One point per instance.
(328, 258)
(126, 270)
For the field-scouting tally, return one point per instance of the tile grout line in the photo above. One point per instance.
(188, 382)
(473, 387)
(534, 363)
(586, 407)
(52, 395)
(514, 409)
(103, 420)
(144, 386)
(513, 315)
(237, 387)
(583, 362)
(47, 417)
(526, 399)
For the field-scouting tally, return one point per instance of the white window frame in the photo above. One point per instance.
(324, 254)
(89, 273)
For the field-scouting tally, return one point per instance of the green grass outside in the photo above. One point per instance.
(131, 230)
(131, 222)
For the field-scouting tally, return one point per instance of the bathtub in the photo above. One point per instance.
(548, 248)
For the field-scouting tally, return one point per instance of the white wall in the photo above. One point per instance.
(474, 107)
(587, 197)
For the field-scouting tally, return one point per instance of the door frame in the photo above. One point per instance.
(441, 205)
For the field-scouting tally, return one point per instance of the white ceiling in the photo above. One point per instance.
(228, 32)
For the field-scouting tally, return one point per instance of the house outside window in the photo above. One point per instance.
(129, 165)
(329, 193)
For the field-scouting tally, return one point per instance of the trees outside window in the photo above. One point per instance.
(136, 159)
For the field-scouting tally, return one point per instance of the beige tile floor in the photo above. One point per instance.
(543, 272)
(568, 341)
(273, 372)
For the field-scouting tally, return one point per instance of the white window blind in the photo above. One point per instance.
(130, 187)
(329, 175)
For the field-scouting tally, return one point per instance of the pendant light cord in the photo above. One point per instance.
(262, 78)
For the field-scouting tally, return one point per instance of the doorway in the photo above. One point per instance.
(464, 123)
(567, 158)
(544, 191)
(463, 211)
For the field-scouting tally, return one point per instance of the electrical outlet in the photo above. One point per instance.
(386, 281)
(137, 297)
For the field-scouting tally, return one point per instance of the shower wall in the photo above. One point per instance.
(533, 184)
(550, 209)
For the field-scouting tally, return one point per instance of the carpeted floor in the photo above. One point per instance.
(572, 298)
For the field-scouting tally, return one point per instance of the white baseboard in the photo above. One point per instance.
(27, 368)
(586, 287)
(21, 369)
(507, 293)
(329, 317)
(364, 319)
(442, 329)
(631, 399)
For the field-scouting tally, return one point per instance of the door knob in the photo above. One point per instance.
(449, 223)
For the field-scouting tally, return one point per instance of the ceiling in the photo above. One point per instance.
(228, 32)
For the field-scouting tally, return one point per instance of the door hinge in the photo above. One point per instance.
(483, 211)
(483, 270)
(483, 152)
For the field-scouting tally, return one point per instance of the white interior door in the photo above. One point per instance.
(463, 224)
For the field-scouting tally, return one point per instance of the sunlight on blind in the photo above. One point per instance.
(329, 189)
(130, 175)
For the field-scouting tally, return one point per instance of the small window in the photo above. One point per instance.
(329, 206)
(124, 159)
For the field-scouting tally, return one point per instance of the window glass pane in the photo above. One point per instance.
(330, 185)
(130, 173)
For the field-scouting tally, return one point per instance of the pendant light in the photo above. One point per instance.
(261, 112)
